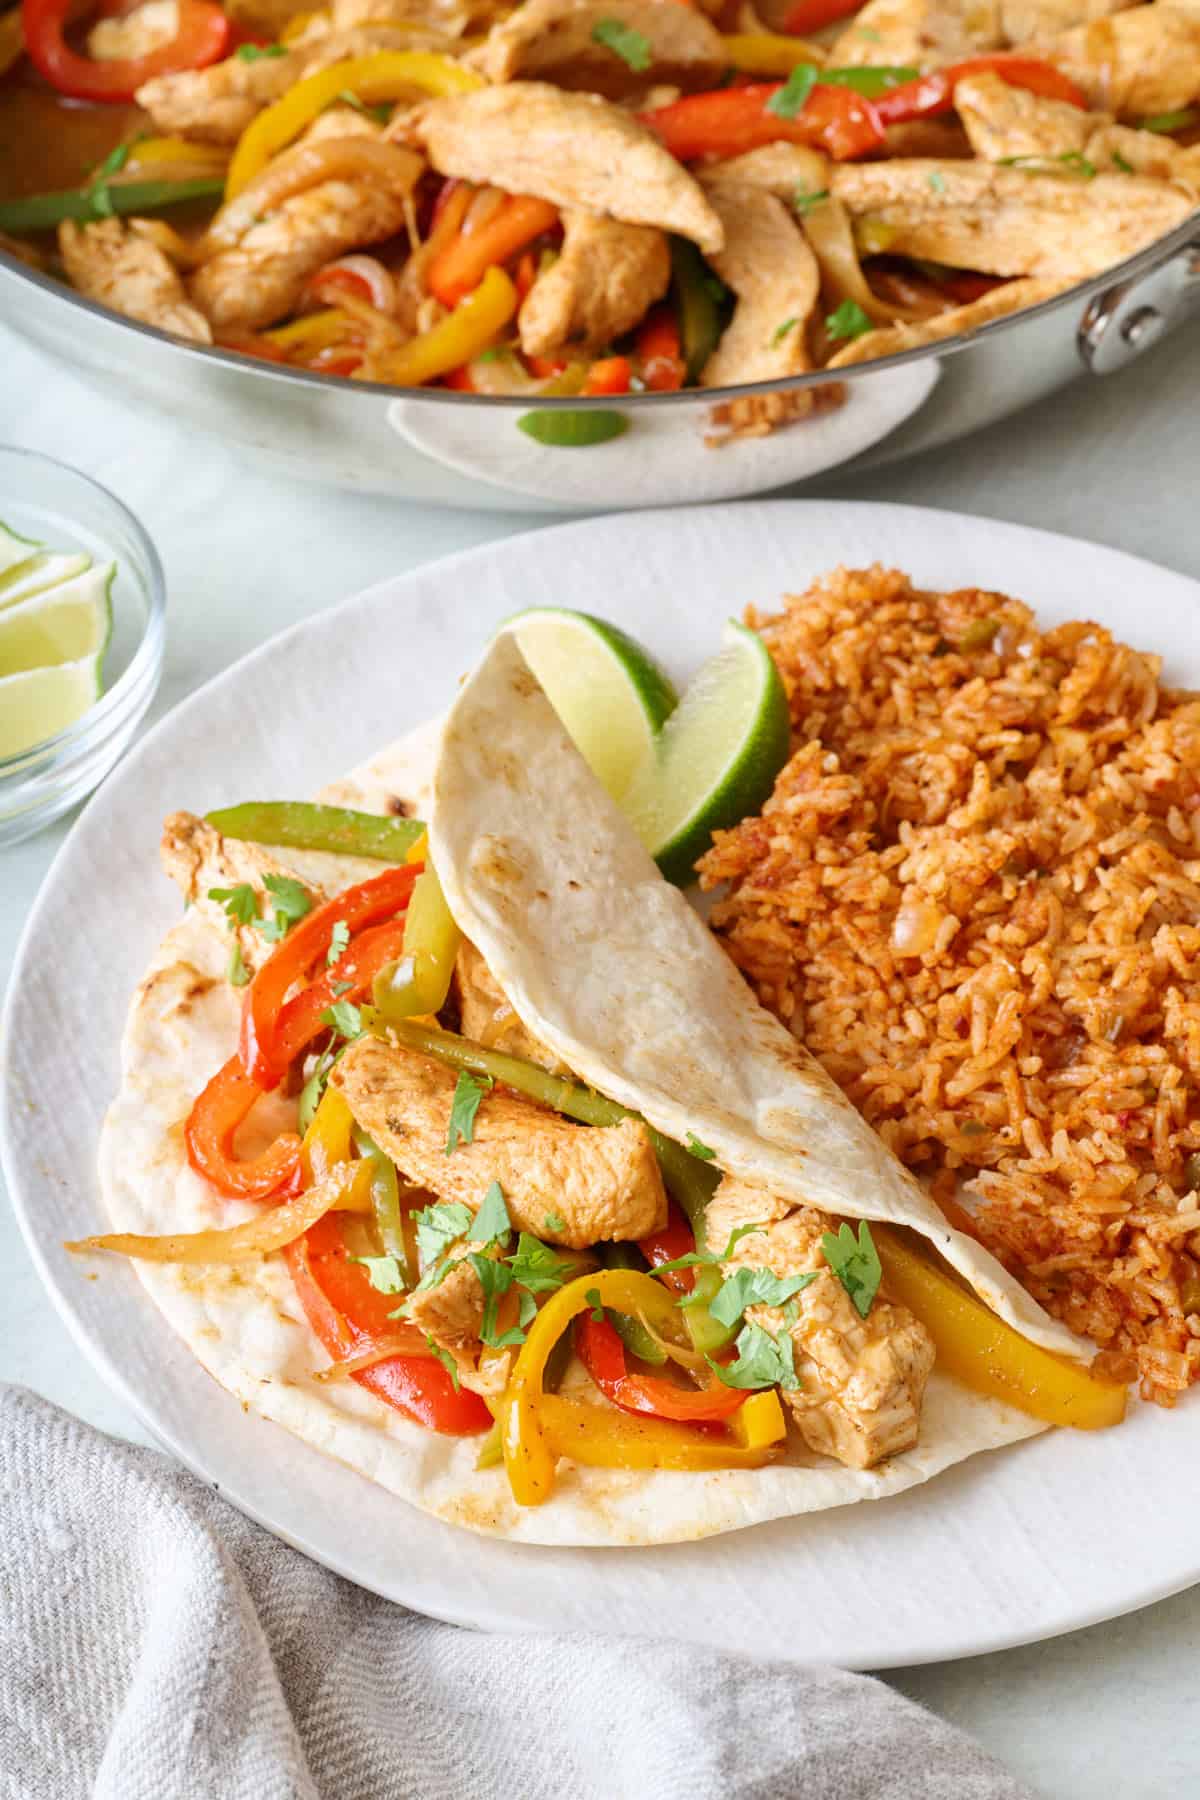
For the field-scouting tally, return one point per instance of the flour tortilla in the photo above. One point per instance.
(624, 982)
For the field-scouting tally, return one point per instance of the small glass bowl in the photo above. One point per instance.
(47, 500)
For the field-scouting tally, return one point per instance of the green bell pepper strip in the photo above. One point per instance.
(632, 1333)
(419, 980)
(42, 212)
(698, 305)
(385, 1199)
(303, 825)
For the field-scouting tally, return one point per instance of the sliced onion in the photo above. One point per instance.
(380, 282)
(348, 1189)
(827, 228)
(686, 1358)
(306, 166)
(379, 1350)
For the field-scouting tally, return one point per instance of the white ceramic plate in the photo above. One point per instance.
(1059, 1532)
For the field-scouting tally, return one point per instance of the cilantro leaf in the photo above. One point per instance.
(385, 1273)
(237, 972)
(937, 181)
(792, 97)
(848, 321)
(592, 1296)
(536, 1267)
(856, 1265)
(97, 192)
(343, 1018)
(447, 1361)
(694, 1146)
(763, 1361)
(632, 48)
(697, 1259)
(1074, 160)
(468, 1092)
(255, 52)
(755, 1287)
(338, 988)
(492, 1223)
(1122, 162)
(780, 332)
(337, 943)
(803, 200)
(438, 1227)
(290, 899)
(240, 903)
(552, 1222)
(495, 1278)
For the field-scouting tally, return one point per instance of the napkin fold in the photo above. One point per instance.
(157, 1645)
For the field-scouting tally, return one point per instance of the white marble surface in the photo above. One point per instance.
(1106, 1712)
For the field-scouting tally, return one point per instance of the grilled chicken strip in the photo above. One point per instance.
(110, 263)
(215, 105)
(598, 288)
(769, 266)
(554, 40)
(889, 340)
(926, 33)
(452, 1312)
(1138, 63)
(603, 1182)
(1004, 122)
(198, 858)
(862, 1380)
(1008, 221)
(572, 149)
(487, 1017)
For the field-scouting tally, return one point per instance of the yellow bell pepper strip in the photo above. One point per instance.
(297, 26)
(315, 331)
(461, 335)
(329, 1139)
(144, 152)
(536, 1428)
(760, 1422)
(381, 75)
(984, 1353)
(419, 980)
(347, 1189)
(767, 52)
(304, 825)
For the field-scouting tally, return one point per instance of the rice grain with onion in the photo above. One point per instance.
(975, 895)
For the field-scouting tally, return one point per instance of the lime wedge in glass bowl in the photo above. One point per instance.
(609, 693)
(63, 624)
(39, 703)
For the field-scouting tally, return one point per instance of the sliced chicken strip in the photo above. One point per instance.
(573, 149)
(487, 1017)
(555, 40)
(1012, 297)
(215, 105)
(784, 170)
(1023, 21)
(1008, 221)
(197, 858)
(918, 33)
(774, 274)
(114, 265)
(598, 288)
(1004, 122)
(862, 1381)
(452, 1312)
(448, 18)
(604, 1183)
(1137, 63)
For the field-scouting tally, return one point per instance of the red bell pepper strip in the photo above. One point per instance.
(208, 1136)
(350, 978)
(347, 1314)
(676, 1239)
(807, 16)
(728, 121)
(966, 287)
(659, 353)
(932, 94)
(202, 38)
(603, 1356)
(456, 271)
(263, 1057)
(611, 375)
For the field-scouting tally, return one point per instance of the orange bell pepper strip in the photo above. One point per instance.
(984, 1353)
(728, 121)
(610, 375)
(659, 352)
(807, 16)
(932, 94)
(458, 269)
(603, 1356)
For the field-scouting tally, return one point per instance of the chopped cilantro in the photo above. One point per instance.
(386, 1275)
(694, 1146)
(256, 52)
(343, 1018)
(804, 199)
(447, 1361)
(697, 1259)
(495, 1278)
(438, 1227)
(339, 938)
(290, 901)
(856, 1265)
(791, 98)
(592, 1296)
(240, 903)
(755, 1287)
(98, 192)
(848, 321)
(338, 988)
(1122, 163)
(468, 1092)
(937, 181)
(632, 48)
(1171, 121)
(237, 972)
(777, 336)
(552, 1222)
(763, 1361)
(536, 1267)
(492, 1223)
(1073, 160)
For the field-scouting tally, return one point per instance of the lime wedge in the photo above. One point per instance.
(39, 702)
(15, 549)
(45, 570)
(609, 693)
(64, 624)
(715, 759)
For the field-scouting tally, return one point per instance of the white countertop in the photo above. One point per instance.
(1106, 1712)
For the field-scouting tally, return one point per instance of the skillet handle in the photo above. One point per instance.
(1123, 320)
